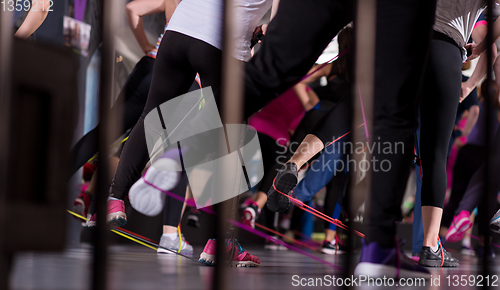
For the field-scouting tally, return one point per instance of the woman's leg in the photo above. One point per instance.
(438, 111)
(172, 77)
(130, 103)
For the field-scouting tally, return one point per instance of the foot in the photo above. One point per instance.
(146, 195)
(331, 248)
(174, 245)
(82, 203)
(285, 182)
(116, 214)
(378, 262)
(495, 223)
(249, 215)
(460, 224)
(241, 257)
(438, 258)
(271, 246)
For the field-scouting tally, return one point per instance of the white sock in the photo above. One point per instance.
(171, 236)
(466, 243)
(112, 198)
(435, 249)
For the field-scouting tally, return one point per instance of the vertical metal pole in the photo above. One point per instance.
(5, 96)
(487, 163)
(363, 92)
(111, 12)
(232, 113)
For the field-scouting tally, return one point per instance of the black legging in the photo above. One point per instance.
(438, 109)
(131, 101)
(176, 65)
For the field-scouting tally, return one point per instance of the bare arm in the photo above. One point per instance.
(274, 8)
(136, 9)
(33, 20)
(309, 99)
(324, 71)
(478, 35)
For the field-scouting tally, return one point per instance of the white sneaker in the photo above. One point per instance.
(174, 245)
(146, 195)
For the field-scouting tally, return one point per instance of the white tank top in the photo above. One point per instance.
(202, 19)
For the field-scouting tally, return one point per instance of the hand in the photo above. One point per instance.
(262, 28)
(465, 92)
(147, 48)
(476, 49)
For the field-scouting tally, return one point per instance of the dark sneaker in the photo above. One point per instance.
(495, 223)
(194, 218)
(331, 248)
(285, 182)
(271, 246)
(440, 258)
(378, 262)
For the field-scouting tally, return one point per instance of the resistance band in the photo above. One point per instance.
(141, 240)
(251, 230)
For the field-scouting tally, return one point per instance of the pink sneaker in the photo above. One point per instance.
(249, 215)
(82, 202)
(116, 214)
(460, 224)
(241, 257)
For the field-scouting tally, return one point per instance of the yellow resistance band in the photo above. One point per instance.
(116, 232)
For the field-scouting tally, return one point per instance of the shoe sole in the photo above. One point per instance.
(331, 251)
(146, 199)
(165, 252)
(276, 201)
(209, 260)
(380, 271)
(436, 264)
(462, 226)
(117, 219)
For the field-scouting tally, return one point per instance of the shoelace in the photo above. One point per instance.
(237, 244)
(442, 251)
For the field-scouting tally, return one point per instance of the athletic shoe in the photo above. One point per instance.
(331, 248)
(241, 257)
(272, 246)
(249, 215)
(174, 245)
(193, 218)
(480, 252)
(146, 195)
(378, 262)
(495, 223)
(460, 224)
(440, 258)
(92, 221)
(284, 182)
(82, 203)
(116, 214)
